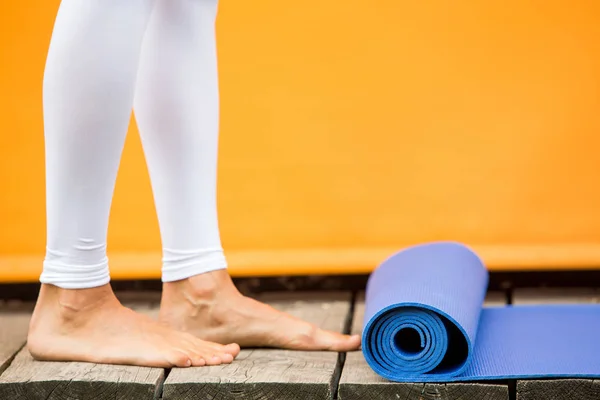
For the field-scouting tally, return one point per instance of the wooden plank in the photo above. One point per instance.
(271, 374)
(557, 389)
(26, 378)
(14, 323)
(495, 299)
(29, 379)
(359, 381)
(556, 296)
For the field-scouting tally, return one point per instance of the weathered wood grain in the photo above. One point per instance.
(557, 389)
(28, 379)
(14, 323)
(266, 374)
(359, 381)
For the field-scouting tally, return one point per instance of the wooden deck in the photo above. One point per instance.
(265, 374)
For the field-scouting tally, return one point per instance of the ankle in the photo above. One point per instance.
(202, 287)
(60, 311)
(69, 302)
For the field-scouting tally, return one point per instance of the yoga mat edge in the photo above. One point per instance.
(425, 322)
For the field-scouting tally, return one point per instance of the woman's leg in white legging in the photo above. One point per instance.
(176, 106)
(177, 110)
(88, 90)
(89, 86)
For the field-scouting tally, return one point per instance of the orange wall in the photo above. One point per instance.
(350, 129)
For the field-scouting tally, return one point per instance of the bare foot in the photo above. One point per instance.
(91, 325)
(210, 307)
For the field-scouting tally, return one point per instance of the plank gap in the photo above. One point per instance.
(339, 367)
(509, 296)
(512, 389)
(161, 385)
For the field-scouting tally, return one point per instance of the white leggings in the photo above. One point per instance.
(105, 57)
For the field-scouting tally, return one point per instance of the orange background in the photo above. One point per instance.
(351, 129)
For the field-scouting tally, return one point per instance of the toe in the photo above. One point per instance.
(198, 362)
(214, 360)
(336, 341)
(348, 343)
(226, 358)
(216, 348)
(232, 348)
(179, 359)
(197, 359)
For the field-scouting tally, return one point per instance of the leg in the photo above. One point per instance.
(89, 85)
(176, 106)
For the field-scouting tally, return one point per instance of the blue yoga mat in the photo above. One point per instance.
(425, 322)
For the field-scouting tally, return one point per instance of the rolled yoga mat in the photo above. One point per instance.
(425, 322)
